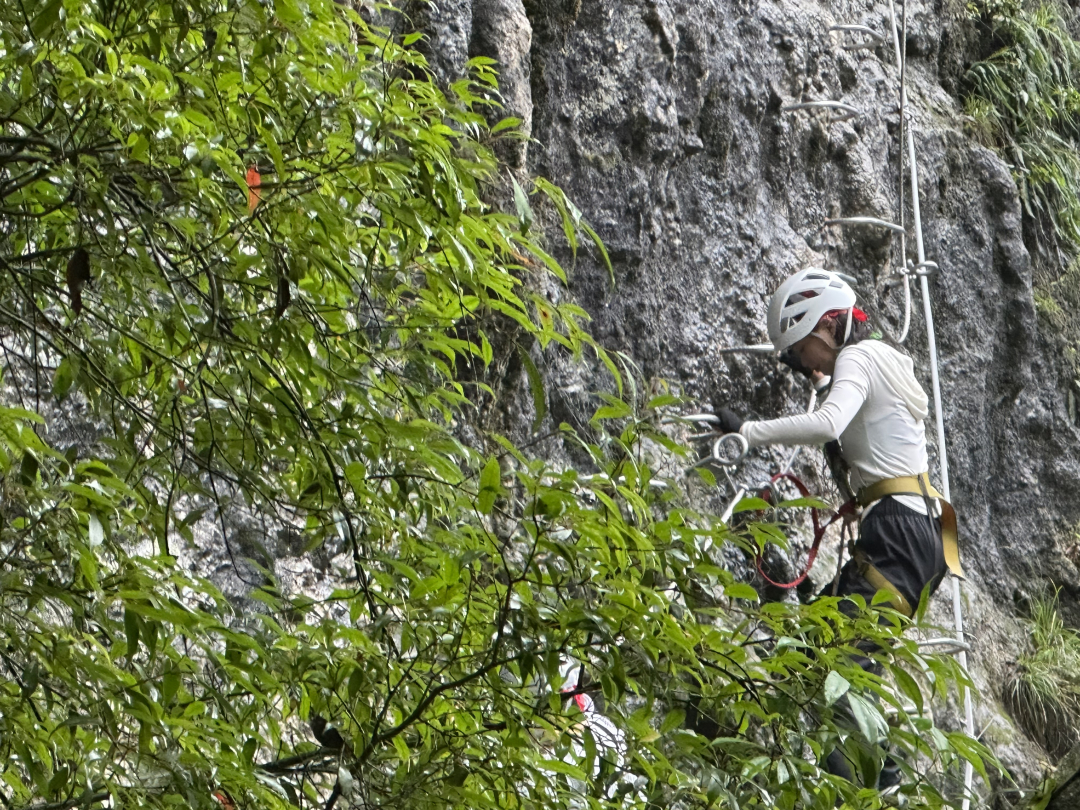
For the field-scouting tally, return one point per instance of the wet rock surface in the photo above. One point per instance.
(665, 121)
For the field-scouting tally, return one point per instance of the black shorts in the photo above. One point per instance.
(904, 545)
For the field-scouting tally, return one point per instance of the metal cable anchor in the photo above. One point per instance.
(927, 268)
(695, 419)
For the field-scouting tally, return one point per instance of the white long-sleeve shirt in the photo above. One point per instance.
(875, 408)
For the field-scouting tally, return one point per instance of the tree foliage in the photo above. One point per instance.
(252, 238)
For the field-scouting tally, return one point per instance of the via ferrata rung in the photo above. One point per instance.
(875, 38)
(842, 111)
(871, 221)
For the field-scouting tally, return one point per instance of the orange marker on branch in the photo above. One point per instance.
(254, 181)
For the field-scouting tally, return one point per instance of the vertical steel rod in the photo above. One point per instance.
(943, 458)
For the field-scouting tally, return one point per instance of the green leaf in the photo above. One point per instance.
(752, 504)
(706, 475)
(805, 503)
(672, 720)
(662, 401)
(536, 388)
(558, 766)
(486, 352)
(131, 630)
(615, 409)
(524, 210)
(507, 123)
(869, 719)
(836, 686)
(43, 22)
(909, 687)
(490, 485)
(740, 590)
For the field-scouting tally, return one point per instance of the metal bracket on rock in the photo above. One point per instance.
(928, 269)
(951, 645)
(873, 221)
(727, 451)
(695, 419)
(690, 417)
(875, 38)
(844, 111)
(755, 348)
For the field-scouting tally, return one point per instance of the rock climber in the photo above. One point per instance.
(875, 408)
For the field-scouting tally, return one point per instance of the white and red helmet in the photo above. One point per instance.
(802, 300)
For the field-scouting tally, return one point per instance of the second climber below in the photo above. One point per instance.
(875, 408)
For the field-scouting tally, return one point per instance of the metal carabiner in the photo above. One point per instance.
(730, 449)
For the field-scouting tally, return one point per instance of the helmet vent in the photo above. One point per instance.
(799, 297)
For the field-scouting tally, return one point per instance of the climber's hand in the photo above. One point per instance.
(729, 421)
(792, 361)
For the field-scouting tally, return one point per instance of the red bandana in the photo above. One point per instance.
(856, 313)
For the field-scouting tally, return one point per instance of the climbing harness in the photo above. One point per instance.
(920, 486)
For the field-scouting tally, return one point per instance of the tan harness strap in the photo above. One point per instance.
(879, 582)
(920, 485)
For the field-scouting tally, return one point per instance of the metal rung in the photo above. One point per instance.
(757, 348)
(879, 223)
(691, 418)
(955, 644)
(726, 516)
(875, 38)
(847, 110)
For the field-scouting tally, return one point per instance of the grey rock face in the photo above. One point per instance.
(448, 25)
(665, 121)
(457, 30)
(501, 31)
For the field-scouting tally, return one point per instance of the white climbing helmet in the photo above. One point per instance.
(801, 301)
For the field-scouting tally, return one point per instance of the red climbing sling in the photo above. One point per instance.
(819, 530)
